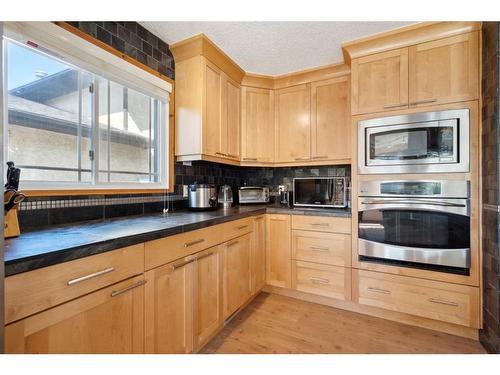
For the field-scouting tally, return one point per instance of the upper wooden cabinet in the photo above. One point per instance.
(380, 82)
(293, 124)
(207, 102)
(222, 114)
(330, 119)
(435, 72)
(445, 70)
(257, 125)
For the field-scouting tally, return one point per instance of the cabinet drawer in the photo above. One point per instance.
(31, 292)
(323, 280)
(235, 228)
(322, 223)
(452, 303)
(168, 249)
(319, 247)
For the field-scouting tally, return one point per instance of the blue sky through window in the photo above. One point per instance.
(24, 64)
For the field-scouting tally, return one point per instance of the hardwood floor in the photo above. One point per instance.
(276, 324)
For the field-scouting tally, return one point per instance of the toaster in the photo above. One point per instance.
(253, 194)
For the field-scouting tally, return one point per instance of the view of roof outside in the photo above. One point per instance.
(50, 123)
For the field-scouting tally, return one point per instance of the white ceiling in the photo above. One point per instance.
(274, 48)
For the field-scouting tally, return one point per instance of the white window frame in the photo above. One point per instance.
(70, 49)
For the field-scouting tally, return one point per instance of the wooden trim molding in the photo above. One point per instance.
(200, 45)
(404, 37)
(295, 78)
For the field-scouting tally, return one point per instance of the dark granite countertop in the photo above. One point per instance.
(58, 244)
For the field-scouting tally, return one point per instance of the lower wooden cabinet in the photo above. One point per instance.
(169, 308)
(278, 251)
(207, 295)
(258, 254)
(452, 303)
(184, 303)
(237, 287)
(322, 279)
(110, 320)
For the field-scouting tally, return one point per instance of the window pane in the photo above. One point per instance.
(129, 148)
(44, 116)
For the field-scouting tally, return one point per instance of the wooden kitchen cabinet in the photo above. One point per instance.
(110, 320)
(231, 118)
(330, 119)
(257, 125)
(169, 308)
(237, 286)
(258, 255)
(444, 70)
(214, 136)
(278, 251)
(379, 82)
(207, 295)
(293, 124)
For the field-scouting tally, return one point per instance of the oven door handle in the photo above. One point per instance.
(420, 202)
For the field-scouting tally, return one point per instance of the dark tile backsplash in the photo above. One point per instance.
(490, 334)
(134, 41)
(41, 211)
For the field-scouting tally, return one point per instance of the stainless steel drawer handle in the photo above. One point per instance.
(232, 243)
(124, 290)
(320, 157)
(443, 302)
(231, 156)
(192, 243)
(378, 290)
(221, 154)
(394, 105)
(319, 280)
(319, 248)
(242, 227)
(91, 276)
(303, 158)
(320, 224)
(253, 159)
(204, 255)
(428, 101)
(259, 218)
(180, 265)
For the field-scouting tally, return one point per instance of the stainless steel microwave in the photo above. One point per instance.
(435, 142)
(327, 192)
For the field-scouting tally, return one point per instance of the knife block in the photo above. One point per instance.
(11, 224)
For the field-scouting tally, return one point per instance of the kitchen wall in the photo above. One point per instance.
(134, 41)
(490, 334)
(41, 211)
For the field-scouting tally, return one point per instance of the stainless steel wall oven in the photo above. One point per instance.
(424, 224)
(415, 143)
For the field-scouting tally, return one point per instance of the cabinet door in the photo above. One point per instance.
(107, 321)
(278, 250)
(231, 113)
(293, 126)
(208, 317)
(258, 254)
(213, 131)
(330, 119)
(237, 274)
(445, 70)
(257, 125)
(380, 82)
(169, 308)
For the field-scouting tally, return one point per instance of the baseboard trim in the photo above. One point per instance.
(435, 325)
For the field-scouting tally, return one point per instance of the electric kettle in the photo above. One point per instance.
(225, 197)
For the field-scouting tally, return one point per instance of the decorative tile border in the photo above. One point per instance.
(58, 202)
